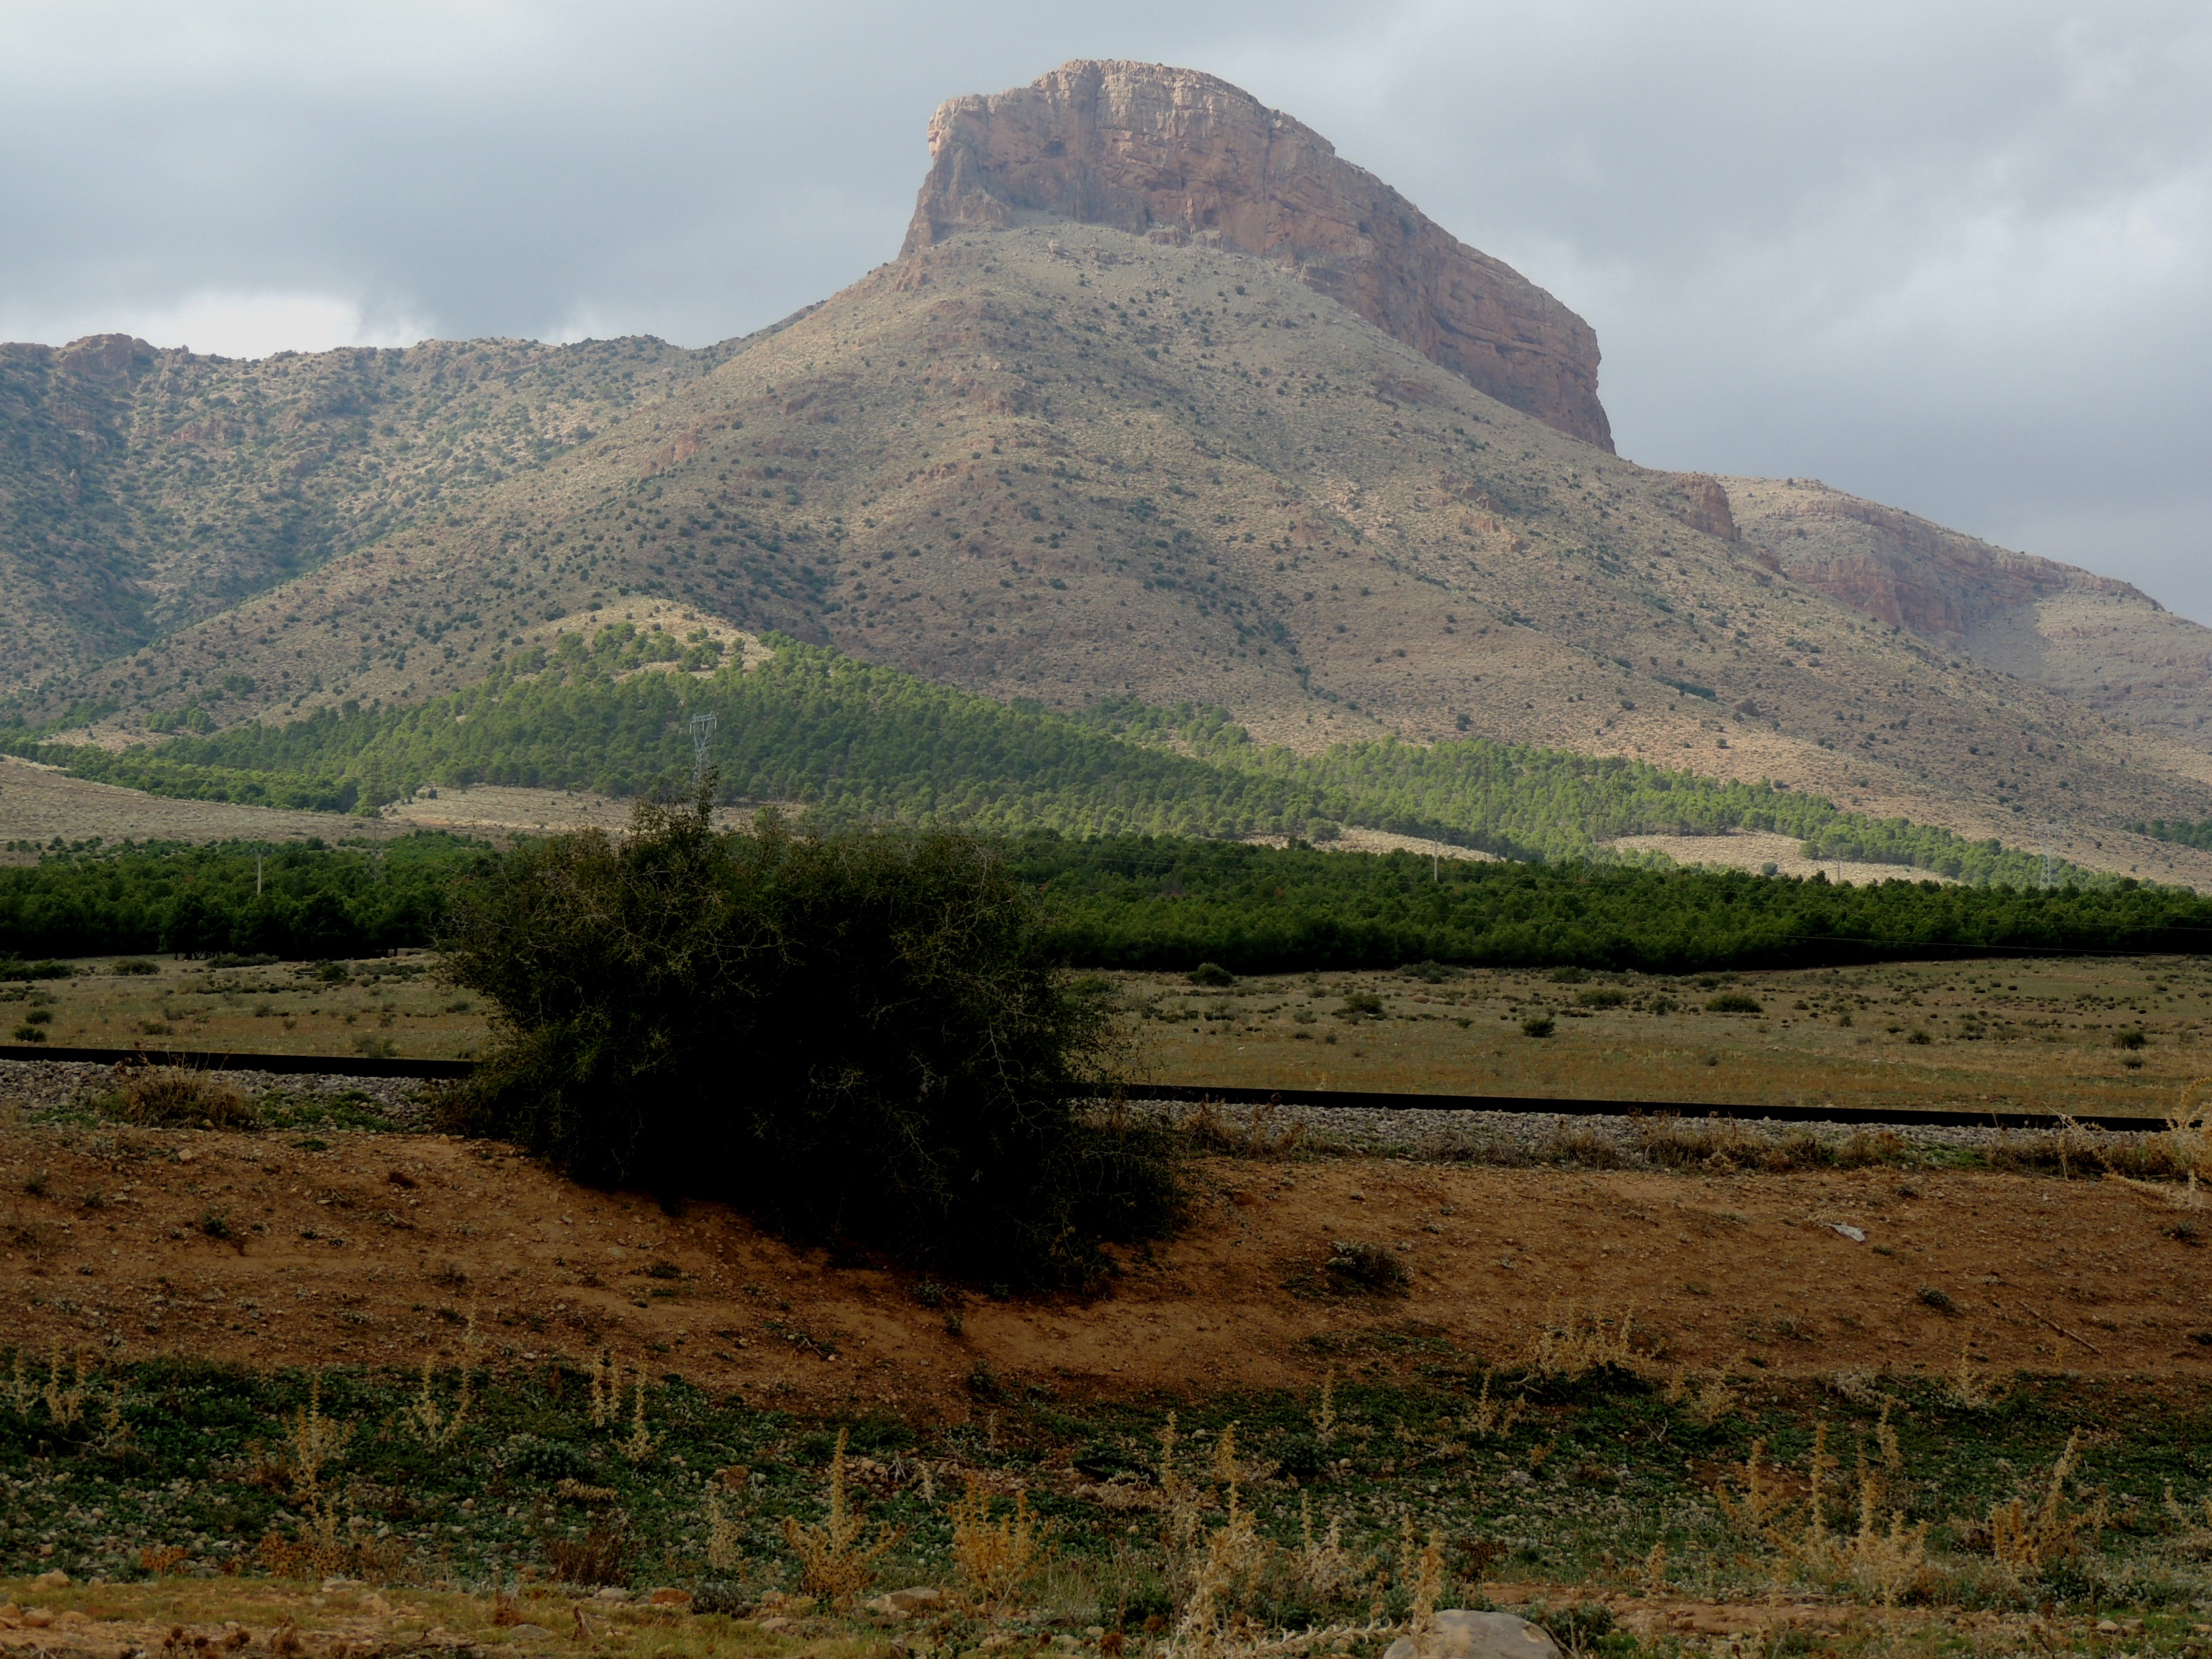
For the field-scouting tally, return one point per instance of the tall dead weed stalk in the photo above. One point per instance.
(837, 1558)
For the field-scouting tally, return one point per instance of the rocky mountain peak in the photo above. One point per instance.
(1178, 156)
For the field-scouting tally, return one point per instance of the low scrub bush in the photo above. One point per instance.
(1374, 1269)
(177, 1097)
(858, 1037)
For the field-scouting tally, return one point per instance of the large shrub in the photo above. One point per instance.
(857, 1035)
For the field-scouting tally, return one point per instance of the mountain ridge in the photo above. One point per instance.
(1070, 461)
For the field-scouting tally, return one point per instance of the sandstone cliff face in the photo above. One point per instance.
(1892, 566)
(1175, 154)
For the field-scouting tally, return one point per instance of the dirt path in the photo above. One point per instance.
(375, 1249)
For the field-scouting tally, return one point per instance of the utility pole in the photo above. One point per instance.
(702, 734)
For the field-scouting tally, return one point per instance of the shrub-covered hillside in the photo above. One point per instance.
(858, 743)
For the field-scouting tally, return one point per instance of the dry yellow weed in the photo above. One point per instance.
(992, 1558)
(1571, 1343)
(836, 1559)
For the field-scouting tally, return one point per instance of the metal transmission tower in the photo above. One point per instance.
(702, 736)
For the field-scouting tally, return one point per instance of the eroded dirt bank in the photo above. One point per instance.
(376, 1250)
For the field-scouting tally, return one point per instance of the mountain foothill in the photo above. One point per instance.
(1161, 399)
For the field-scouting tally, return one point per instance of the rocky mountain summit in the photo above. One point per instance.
(1175, 155)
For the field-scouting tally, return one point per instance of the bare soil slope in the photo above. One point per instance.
(376, 1250)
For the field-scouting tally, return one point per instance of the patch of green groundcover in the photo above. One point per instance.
(190, 1455)
(1154, 901)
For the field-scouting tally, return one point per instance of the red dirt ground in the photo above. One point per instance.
(375, 1251)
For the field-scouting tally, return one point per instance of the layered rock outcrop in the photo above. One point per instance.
(1151, 149)
(1894, 567)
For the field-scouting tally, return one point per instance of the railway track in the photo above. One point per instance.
(1190, 1093)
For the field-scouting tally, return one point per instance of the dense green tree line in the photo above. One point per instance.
(1140, 901)
(1135, 901)
(861, 744)
(2198, 835)
(300, 900)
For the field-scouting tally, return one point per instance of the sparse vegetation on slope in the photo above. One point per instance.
(144, 489)
(1116, 468)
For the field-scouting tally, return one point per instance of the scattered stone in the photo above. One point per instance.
(1462, 1634)
(612, 1593)
(905, 1603)
(667, 1596)
(56, 1579)
(528, 1632)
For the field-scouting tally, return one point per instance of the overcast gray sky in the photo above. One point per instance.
(1955, 256)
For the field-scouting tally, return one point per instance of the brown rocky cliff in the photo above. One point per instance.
(1707, 507)
(1146, 148)
(1894, 567)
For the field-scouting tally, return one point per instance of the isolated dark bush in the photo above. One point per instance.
(1374, 1269)
(1733, 1002)
(1212, 974)
(857, 1037)
(14, 968)
(1538, 1025)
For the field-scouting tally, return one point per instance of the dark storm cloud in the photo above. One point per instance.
(1954, 258)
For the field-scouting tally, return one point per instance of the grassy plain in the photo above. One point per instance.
(2032, 1035)
(385, 1006)
(2037, 1034)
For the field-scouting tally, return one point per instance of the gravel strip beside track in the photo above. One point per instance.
(44, 1085)
(1478, 1136)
